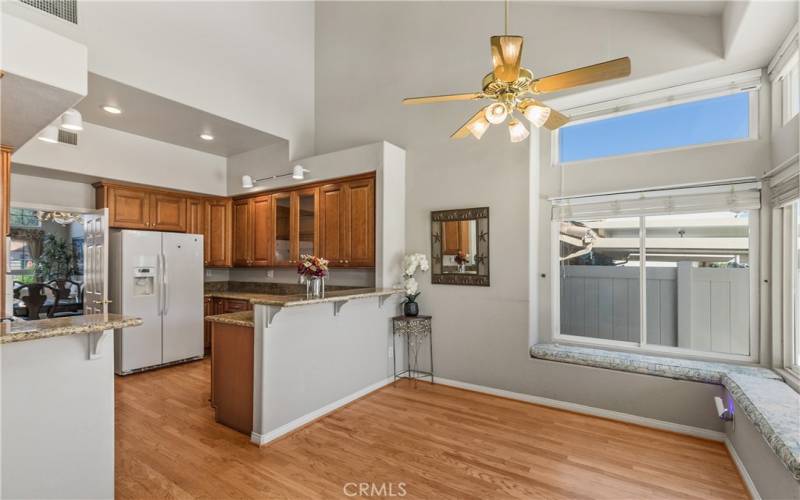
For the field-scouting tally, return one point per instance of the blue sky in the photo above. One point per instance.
(700, 122)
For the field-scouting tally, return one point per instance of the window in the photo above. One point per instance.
(793, 238)
(790, 91)
(20, 258)
(707, 121)
(674, 276)
(24, 217)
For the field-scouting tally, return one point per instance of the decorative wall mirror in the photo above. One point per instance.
(460, 247)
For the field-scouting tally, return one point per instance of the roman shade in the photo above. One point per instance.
(784, 183)
(734, 196)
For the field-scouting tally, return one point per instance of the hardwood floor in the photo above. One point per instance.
(428, 441)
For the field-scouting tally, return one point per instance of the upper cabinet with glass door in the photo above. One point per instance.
(296, 223)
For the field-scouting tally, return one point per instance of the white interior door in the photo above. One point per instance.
(182, 320)
(95, 290)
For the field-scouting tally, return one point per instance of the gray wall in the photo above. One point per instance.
(482, 334)
(770, 477)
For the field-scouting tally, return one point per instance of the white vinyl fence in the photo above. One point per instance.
(704, 309)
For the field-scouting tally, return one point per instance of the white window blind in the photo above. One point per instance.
(706, 198)
(784, 184)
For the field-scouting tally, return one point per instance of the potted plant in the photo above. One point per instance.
(55, 263)
(411, 264)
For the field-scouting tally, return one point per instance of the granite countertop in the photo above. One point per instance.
(289, 295)
(20, 331)
(238, 318)
(331, 296)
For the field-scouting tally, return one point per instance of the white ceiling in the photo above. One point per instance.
(156, 117)
(686, 7)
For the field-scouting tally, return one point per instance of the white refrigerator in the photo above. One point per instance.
(157, 277)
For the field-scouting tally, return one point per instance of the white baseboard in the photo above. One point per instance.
(589, 410)
(262, 439)
(748, 481)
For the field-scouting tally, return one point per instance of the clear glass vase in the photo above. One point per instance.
(315, 287)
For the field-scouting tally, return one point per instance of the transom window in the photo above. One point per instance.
(24, 217)
(705, 121)
(674, 275)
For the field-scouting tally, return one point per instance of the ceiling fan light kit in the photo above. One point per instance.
(514, 88)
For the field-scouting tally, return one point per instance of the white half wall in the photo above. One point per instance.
(111, 154)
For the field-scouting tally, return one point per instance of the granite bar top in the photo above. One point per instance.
(239, 318)
(330, 296)
(774, 409)
(20, 330)
(660, 366)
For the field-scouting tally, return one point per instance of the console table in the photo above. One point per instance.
(415, 329)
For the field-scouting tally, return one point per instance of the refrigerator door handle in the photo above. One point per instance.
(160, 286)
(166, 283)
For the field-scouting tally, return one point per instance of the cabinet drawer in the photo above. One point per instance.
(234, 305)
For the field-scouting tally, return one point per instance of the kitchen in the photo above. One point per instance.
(138, 169)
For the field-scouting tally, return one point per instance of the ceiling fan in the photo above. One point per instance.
(514, 88)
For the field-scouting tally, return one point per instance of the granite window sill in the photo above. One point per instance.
(759, 393)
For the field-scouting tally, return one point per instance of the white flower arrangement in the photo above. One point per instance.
(411, 264)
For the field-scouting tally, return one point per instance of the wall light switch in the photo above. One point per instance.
(391, 352)
(208, 273)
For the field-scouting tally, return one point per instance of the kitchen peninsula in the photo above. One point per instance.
(310, 355)
(58, 406)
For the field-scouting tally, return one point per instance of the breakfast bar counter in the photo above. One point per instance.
(21, 330)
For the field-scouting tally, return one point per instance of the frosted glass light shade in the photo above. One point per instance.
(517, 131)
(247, 181)
(72, 120)
(49, 134)
(537, 115)
(298, 172)
(496, 113)
(478, 127)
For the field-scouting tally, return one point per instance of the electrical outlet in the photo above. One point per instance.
(270, 273)
(208, 273)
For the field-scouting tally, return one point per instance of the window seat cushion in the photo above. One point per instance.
(759, 393)
(774, 409)
(660, 366)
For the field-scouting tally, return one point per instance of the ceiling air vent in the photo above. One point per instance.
(65, 9)
(66, 137)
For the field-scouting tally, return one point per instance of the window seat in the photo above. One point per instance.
(660, 366)
(774, 409)
(759, 393)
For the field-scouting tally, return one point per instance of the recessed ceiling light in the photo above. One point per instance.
(207, 137)
(111, 109)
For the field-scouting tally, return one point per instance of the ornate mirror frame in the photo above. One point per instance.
(481, 216)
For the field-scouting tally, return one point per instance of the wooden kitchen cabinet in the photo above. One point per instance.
(347, 223)
(5, 225)
(252, 232)
(455, 237)
(218, 232)
(208, 310)
(232, 375)
(168, 212)
(295, 219)
(195, 215)
(242, 233)
(128, 208)
(140, 208)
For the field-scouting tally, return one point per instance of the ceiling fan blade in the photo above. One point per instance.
(556, 120)
(608, 70)
(442, 98)
(464, 130)
(506, 56)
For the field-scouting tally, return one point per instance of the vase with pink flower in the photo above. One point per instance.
(312, 271)
(461, 259)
